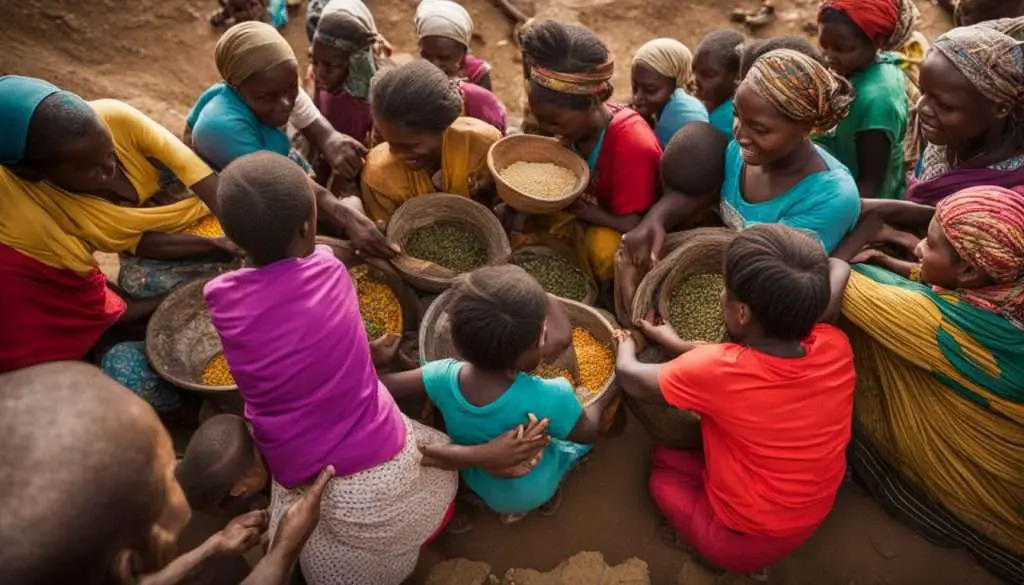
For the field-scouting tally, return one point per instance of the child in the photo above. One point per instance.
(869, 141)
(662, 79)
(716, 67)
(499, 326)
(692, 169)
(753, 51)
(221, 465)
(775, 406)
(445, 33)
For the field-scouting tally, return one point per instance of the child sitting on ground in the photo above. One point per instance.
(775, 406)
(499, 327)
(221, 467)
(716, 68)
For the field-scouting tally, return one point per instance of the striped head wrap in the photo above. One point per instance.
(991, 56)
(669, 58)
(985, 225)
(594, 82)
(888, 23)
(801, 89)
(249, 48)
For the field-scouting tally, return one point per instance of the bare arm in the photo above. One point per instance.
(207, 191)
(839, 274)
(637, 379)
(597, 215)
(160, 246)
(364, 235)
(588, 426)
(182, 567)
(403, 385)
(873, 147)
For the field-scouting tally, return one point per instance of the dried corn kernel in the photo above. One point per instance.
(208, 227)
(378, 305)
(540, 180)
(695, 307)
(595, 360)
(217, 372)
(551, 372)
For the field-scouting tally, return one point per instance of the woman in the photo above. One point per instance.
(428, 145)
(570, 81)
(939, 410)
(663, 82)
(260, 94)
(972, 85)
(445, 33)
(716, 69)
(74, 177)
(856, 37)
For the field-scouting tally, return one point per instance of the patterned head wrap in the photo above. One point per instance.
(593, 83)
(444, 18)
(347, 25)
(888, 23)
(669, 58)
(990, 56)
(985, 225)
(249, 48)
(19, 98)
(801, 89)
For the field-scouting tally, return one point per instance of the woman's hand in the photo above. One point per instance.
(657, 331)
(345, 154)
(301, 518)
(367, 238)
(241, 534)
(384, 350)
(516, 452)
(642, 246)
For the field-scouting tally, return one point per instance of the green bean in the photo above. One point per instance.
(695, 307)
(452, 246)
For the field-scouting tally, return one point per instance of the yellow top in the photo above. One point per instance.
(387, 182)
(62, 229)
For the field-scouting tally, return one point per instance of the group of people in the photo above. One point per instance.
(874, 292)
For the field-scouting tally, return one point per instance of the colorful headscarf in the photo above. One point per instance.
(801, 89)
(991, 56)
(443, 18)
(593, 83)
(339, 20)
(669, 58)
(888, 23)
(19, 98)
(249, 48)
(985, 225)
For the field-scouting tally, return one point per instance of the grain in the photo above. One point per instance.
(551, 372)
(217, 372)
(595, 361)
(557, 275)
(451, 246)
(378, 305)
(208, 227)
(695, 307)
(541, 180)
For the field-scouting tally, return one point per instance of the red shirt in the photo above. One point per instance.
(625, 179)
(775, 429)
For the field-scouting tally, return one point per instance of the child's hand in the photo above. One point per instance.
(625, 341)
(657, 331)
(241, 534)
(518, 451)
(383, 350)
(582, 210)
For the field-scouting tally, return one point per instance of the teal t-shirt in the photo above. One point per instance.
(721, 117)
(880, 104)
(825, 204)
(681, 109)
(468, 424)
(224, 128)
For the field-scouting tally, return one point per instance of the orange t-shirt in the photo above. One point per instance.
(775, 429)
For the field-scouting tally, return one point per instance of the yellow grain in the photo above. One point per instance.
(217, 372)
(540, 180)
(208, 227)
(378, 304)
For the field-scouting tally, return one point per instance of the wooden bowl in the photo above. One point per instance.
(536, 149)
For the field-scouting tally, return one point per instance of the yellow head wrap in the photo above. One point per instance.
(249, 48)
(670, 58)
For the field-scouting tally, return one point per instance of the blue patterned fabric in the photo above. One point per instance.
(128, 365)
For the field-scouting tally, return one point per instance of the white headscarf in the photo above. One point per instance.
(444, 18)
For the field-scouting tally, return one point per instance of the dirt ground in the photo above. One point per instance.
(158, 56)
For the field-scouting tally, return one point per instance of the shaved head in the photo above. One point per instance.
(80, 478)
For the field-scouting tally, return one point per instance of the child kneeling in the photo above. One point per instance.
(775, 406)
(499, 326)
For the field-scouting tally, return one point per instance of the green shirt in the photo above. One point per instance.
(880, 104)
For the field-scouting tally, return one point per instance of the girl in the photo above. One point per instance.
(570, 81)
(940, 359)
(428, 145)
(297, 346)
(445, 33)
(499, 326)
(972, 86)
(773, 172)
(869, 140)
(716, 68)
(662, 77)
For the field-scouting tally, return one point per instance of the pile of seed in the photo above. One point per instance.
(208, 227)
(540, 180)
(695, 307)
(551, 372)
(217, 372)
(378, 305)
(449, 245)
(557, 275)
(595, 360)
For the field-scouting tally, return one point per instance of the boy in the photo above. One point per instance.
(775, 406)
(221, 467)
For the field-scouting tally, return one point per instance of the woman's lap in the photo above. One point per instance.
(677, 486)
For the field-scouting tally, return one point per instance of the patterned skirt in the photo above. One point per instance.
(373, 523)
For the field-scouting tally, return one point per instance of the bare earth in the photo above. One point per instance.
(158, 55)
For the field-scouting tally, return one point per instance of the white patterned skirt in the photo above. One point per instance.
(373, 523)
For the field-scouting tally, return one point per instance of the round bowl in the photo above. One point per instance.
(535, 149)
